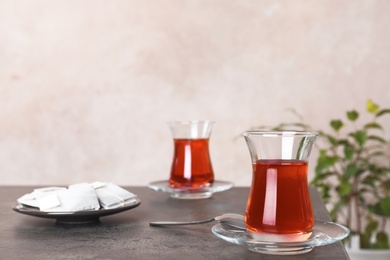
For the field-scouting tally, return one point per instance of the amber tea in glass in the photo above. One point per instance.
(191, 164)
(279, 202)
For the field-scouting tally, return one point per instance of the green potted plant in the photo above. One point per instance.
(353, 174)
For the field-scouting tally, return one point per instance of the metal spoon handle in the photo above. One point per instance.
(179, 223)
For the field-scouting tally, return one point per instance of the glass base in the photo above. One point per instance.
(191, 196)
(189, 192)
(279, 251)
(298, 237)
(323, 233)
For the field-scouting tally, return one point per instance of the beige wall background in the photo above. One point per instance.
(86, 87)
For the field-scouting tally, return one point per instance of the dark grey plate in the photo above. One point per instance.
(78, 217)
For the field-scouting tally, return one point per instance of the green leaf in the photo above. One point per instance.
(386, 184)
(352, 115)
(380, 173)
(373, 125)
(371, 226)
(365, 238)
(332, 140)
(344, 189)
(336, 124)
(371, 106)
(335, 210)
(376, 138)
(382, 207)
(382, 112)
(320, 177)
(360, 137)
(324, 190)
(385, 205)
(382, 241)
(349, 151)
(351, 170)
(370, 180)
(376, 154)
(324, 162)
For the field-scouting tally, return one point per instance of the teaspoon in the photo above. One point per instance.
(230, 219)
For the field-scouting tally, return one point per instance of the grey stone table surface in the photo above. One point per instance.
(127, 235)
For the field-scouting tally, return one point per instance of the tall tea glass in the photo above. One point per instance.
(279, 207)
(191, 164)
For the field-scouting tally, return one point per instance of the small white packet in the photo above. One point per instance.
(31, 199)
(112, 196)
(78, 197)
(48, 202)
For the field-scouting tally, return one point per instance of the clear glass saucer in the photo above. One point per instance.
(323, 233)
(189, 192)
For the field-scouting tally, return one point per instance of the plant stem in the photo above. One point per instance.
(384, 222)
(355, 198)
(349, 214)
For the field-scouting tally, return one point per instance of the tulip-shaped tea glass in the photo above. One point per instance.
(191, 165)
(279, 207)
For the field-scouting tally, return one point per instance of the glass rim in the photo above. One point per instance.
(276, 133)
(189, 122)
